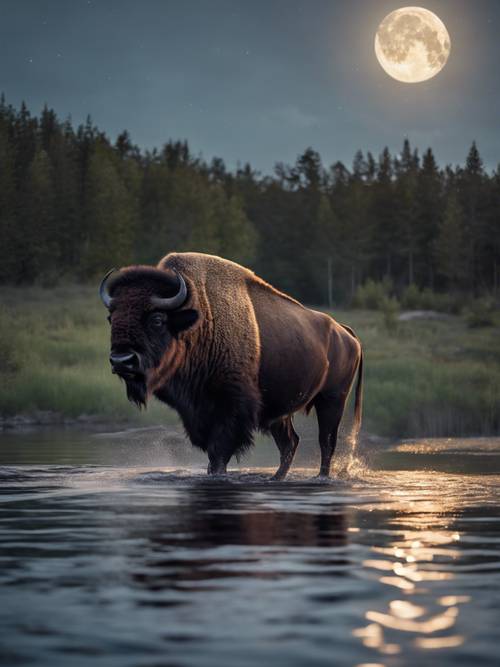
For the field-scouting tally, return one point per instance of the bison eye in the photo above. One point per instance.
(157, 321)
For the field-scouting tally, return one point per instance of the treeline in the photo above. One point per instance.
(72, 204)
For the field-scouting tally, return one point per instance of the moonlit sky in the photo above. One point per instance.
(255, 81)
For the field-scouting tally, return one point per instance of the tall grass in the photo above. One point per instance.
(435, 378)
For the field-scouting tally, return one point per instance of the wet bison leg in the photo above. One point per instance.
(329, 410)
(220, 448)
(217, 463)
(232, 425)
(287, 441)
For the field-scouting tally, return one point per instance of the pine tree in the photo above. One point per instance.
(490, 258)
(108, 223)
(471, 182)
(124, 146)
(310, 170)
(352, 224)
(10, 235)
(37, 222)
(236, 234)
(450, 246)
(48, 128)
(25, 143)
(153, 229)
(406, 208)
(386, 229)
(429, 204)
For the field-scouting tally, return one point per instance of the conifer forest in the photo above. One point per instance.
(73, 203)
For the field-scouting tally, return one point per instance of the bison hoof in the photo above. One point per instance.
(216, 469)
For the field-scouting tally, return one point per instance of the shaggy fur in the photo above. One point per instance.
(237, 356)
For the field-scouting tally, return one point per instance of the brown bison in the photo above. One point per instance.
(231, 354)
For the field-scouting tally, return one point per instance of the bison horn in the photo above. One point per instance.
(103, 290)
(174, 301)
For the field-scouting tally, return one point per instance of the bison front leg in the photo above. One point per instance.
(287, 441)
(232, 423)
(220, 449)
(217, 464)
(224, 441)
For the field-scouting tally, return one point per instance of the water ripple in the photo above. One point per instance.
(161, 565)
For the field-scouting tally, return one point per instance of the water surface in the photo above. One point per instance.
(118, 550)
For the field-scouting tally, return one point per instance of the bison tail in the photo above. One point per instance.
(358, 403)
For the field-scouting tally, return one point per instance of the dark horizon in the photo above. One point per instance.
(255, 83)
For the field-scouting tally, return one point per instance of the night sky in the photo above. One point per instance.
(253, 80)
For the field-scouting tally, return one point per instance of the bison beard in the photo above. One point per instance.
(137, 391)
(230, 354)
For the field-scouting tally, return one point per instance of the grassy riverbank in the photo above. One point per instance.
(423, 377)
(54, 357)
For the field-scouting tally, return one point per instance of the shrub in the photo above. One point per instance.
(371, 295)
(411, 298)
(480, 313)
(390, 310)
(450, 303)
(429, 300)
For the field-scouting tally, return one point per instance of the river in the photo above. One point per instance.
(116, 549)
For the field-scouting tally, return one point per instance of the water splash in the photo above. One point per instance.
(349, 462)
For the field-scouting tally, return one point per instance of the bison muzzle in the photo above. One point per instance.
(231, 354)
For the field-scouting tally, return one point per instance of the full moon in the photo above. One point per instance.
(412, 44)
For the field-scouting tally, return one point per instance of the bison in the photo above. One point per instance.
(231, 354)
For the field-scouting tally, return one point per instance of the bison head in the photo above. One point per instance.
(146, 312)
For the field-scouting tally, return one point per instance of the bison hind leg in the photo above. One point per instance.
(329, 410)
(287, 441)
